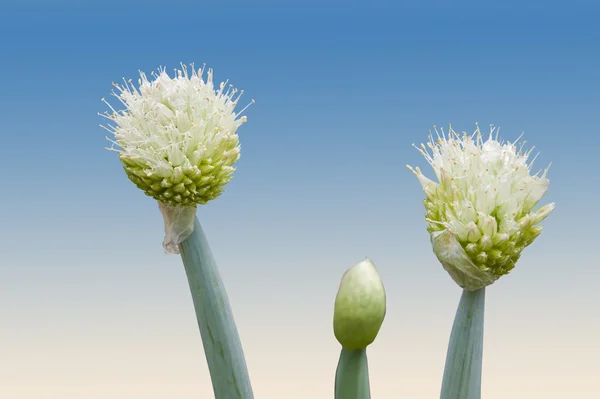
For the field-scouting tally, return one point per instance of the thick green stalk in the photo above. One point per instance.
(352, 375)
(220, 338)
(462, 374)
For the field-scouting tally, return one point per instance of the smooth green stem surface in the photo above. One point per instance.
(220, 338)
(462, 374)
(352, 375)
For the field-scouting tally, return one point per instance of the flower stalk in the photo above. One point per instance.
(222, 346)
(352, 375)
(462, 372)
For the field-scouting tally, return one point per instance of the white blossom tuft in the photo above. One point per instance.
(177, 136)
(480, 212)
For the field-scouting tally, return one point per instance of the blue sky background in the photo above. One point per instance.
(90, 304)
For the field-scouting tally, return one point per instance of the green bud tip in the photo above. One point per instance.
(359, 306)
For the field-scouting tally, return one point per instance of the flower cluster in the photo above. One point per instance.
(480, 212)
(177, 136)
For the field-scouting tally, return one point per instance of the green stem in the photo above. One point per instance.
(352, 375)
(220, 338)
(462, 374)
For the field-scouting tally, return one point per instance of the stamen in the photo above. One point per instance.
(246, 107)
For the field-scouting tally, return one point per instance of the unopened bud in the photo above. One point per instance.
(359, 306)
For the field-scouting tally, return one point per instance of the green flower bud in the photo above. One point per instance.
(359, 306)
(480, 214)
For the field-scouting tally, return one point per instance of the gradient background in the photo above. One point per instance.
(91, 307)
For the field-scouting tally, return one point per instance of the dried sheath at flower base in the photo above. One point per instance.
(177, 142)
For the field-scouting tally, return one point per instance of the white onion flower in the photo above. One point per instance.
(177, 138)
(480, 212)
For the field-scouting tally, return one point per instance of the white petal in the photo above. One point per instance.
(541, 213)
